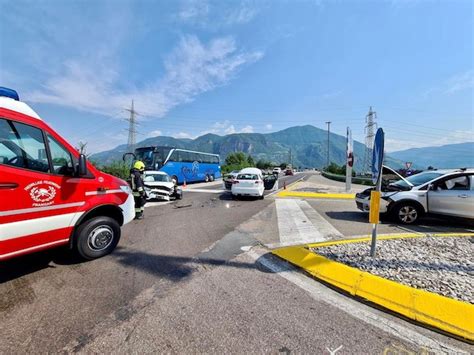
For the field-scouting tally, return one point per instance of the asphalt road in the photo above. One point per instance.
(182, 281)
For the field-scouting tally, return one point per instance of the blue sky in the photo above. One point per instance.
(194, 67)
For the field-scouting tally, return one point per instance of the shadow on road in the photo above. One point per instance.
(177, 268)
(24, 265)
(425, 224)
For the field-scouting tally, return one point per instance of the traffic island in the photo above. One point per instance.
(427, 278)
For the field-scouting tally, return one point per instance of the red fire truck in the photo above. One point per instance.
(49, 194)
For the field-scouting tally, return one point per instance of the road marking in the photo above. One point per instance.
(355, 309)
(299, 223)
(154, 204)
(206, 191)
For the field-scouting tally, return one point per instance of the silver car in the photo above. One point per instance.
(439, 192)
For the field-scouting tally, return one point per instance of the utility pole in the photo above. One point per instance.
(370, 127)
(329, 128)
(289, 160)
(132, 130)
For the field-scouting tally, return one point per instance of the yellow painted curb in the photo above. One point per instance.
(450, 315)
(287, 193)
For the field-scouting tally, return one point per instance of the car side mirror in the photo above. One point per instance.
(82, 165)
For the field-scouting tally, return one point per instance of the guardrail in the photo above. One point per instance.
(342, 178)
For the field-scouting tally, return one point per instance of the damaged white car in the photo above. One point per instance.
(160, 186)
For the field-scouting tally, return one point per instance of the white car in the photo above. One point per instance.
(439, 192)
(276, 170)
(160, 186)
(249, 182)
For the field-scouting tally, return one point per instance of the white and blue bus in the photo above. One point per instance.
(181, 164)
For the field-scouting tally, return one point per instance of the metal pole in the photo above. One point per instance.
(329, 127)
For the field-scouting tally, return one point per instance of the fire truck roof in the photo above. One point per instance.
(10, 100)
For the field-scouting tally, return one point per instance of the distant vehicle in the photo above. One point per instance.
(160, 186)
(276, 170)
(229, 178)
(289, 172)
(50, 195)
(181, 164)
(437, 192)
(249, 182)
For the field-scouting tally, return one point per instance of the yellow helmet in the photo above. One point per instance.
(139, 165)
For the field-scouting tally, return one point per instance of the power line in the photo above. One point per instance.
(370, 127)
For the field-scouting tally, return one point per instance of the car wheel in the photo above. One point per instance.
(406, 213)
(175, 179)
(97, 237)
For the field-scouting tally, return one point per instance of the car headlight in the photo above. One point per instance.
(126, 189)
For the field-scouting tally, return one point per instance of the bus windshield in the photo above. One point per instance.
(153, 157)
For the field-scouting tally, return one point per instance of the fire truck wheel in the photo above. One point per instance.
(97, 237)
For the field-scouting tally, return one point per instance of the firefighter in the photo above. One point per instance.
(138, 188)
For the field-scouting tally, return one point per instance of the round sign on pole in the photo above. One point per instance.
(350, 159)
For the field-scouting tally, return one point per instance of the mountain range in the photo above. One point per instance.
(308, 146)
(459, 155)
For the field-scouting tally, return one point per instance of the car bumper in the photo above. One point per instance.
(245, 191)
(363, 204)
(128, 209)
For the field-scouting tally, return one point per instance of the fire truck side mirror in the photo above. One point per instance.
(82, 165)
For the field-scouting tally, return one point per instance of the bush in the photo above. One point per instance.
(119, 169)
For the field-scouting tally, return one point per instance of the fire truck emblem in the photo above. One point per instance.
(42, 192)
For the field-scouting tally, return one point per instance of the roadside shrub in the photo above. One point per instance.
(118, 168)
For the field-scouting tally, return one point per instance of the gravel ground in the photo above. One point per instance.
(441, 265)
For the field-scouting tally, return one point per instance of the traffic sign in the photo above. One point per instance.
(377, 155)
(377, 168)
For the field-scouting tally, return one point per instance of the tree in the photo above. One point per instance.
(250, 161)
(283, 165)
(263, 164)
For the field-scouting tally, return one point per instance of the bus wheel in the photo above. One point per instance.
(97, 237)
(206, 179)
(175, 179)
(211, 178)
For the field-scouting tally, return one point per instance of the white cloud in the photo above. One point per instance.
(191, 69)
(463, 81)
(459, 82)
(247, 129)
(454, 137)
(268, 126)
(183, 135)
(154, 133)
(193, 10)
(205, 14)
(230, 130)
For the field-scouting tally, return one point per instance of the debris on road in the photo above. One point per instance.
(442, 265)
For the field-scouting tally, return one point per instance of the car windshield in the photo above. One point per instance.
(247, 177)
(417, 180)
(157, 178)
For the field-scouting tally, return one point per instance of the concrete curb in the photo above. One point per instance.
(431, 309)
(344, 196)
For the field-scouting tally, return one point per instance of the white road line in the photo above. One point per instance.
(205, 191)
(352, 307)
(323, 226)
(294, 226)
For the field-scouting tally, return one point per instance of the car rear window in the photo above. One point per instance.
(247, 177)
